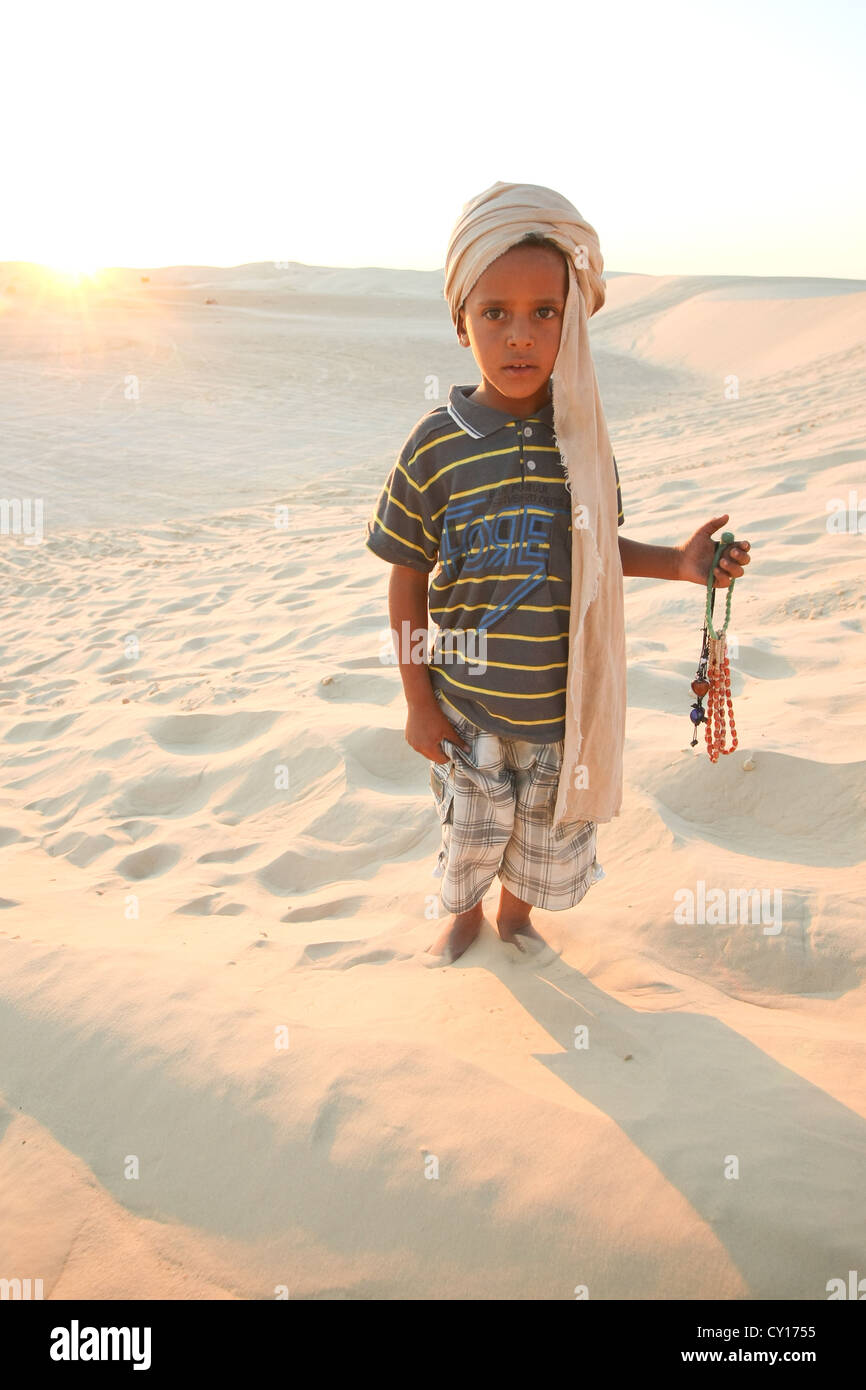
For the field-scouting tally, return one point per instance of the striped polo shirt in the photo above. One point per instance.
(483, 496)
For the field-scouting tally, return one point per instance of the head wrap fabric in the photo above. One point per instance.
(590, 782)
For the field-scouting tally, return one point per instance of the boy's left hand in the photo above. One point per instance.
(697, 554)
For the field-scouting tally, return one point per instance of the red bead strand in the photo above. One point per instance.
(718, 696)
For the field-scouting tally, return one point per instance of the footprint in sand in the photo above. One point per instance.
(79, 848)
(150, 862)
(369, 688)
(206, 906)
(228, 856)
(336, 908)
(765, 820)
(210, 733)
(164, 794)
(38, 731)
(344, 955)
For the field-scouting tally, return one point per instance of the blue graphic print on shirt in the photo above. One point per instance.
(475, 544)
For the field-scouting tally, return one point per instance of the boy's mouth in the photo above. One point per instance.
(518, 368)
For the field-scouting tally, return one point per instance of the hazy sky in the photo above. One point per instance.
(695, 137)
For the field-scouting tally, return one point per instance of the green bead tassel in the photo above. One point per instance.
(727, 538)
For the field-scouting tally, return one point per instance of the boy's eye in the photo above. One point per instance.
(543, 309)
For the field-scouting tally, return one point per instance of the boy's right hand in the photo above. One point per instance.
(426, 726)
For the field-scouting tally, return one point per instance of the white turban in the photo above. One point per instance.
(590, 783)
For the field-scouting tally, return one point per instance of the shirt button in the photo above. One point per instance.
(528, 431)
(530, 463)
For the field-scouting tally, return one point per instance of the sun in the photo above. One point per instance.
(74, 272)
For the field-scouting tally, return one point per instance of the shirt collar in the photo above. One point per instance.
(480, 420)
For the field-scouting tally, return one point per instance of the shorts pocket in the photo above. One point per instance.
(542, 784)
(442, 786)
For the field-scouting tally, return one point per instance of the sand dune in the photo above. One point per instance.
(212, 828)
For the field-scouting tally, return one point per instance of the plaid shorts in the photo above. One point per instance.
(495, 804)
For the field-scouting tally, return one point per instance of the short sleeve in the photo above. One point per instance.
(620, 518)
(401, 529)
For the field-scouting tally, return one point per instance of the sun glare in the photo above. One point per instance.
(73, 272)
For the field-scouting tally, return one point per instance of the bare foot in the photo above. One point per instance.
(458, 935)
(522, 934)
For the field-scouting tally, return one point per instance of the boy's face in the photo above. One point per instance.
(514, 313)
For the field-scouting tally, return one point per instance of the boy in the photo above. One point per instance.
(480, 488)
